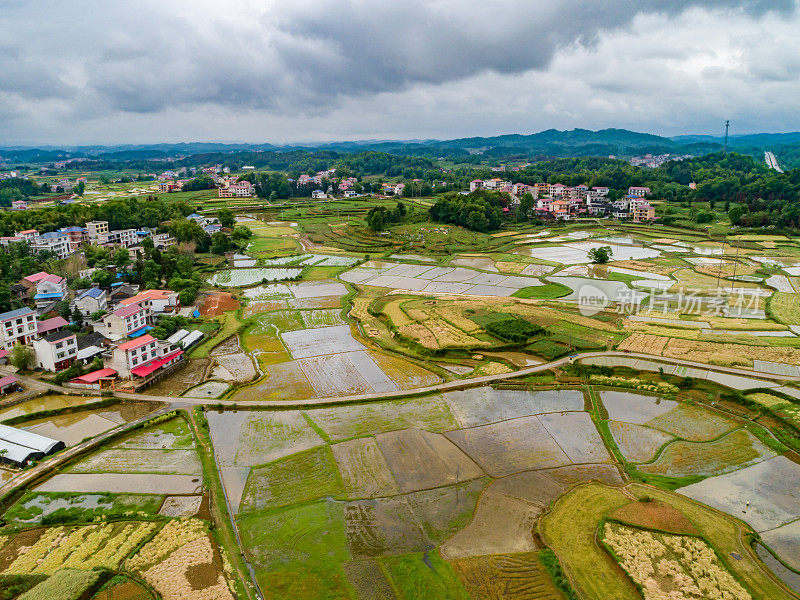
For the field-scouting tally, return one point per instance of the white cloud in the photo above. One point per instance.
(315, 70)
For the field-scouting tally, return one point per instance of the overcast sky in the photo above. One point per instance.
(85, 71)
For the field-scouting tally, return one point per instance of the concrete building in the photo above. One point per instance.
(90, 301)
(53, 241)
(123, 322)
(95, 230)
(17, 327)
(158, 302)
(142, 357)
(56, 351)
(52, 288)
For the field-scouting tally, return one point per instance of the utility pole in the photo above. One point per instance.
(725, 147)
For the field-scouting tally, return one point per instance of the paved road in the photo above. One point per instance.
(439, 387)
(772, 161)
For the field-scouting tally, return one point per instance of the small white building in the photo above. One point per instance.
(56, 351)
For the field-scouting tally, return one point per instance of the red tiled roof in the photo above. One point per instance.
(94, 376)
(145, 339)
(145, 370)
(50, 324)
(36, 276)
(8, 380)
(127, 311)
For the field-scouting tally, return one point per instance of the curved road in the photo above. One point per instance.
(439, 387)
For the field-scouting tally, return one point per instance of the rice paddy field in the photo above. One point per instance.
(606, 477)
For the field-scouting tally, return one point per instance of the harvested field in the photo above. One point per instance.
(734, 451)
(229, 355)
(543, 487)
(644, 343)
(181, 506)
(508, 447)
(506, 576)
(283, 381)
(382, 526)
(421, 460)
(770, 487)
(443, 511)
(569, 529)
(501, 524)
(192, 373)
(342, 422)
(301, 477)
(248, 438)
(217, 303)
(725, 536)
(692, 423)
(655, 515)
(637, 443)
(406, 374)
(481, 406)
(634, 408)
(685, 565)
(363, 469)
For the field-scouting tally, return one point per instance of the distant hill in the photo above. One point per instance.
(550, 143)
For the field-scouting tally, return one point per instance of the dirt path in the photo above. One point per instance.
(439, 387)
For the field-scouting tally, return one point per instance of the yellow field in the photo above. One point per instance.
(785, 307)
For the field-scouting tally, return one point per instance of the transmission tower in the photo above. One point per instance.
(725, 147)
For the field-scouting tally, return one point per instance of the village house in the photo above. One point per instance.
(158, 302)
(95, 230)
(239, 189)
(52, 241)
(639, 192)
(123, 322)
(17, 327)
(318, 195)
(142, 357)
(56, 351)
(52, 288)
(91, 301)
(19, 205)
(49, 326)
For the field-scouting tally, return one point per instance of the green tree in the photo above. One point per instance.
(226, 217)
(22, 357)
(122, 258)
(600, 255)
(103, 277)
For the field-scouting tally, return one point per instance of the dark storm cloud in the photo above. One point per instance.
(147, 57)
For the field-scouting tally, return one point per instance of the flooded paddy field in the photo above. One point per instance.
(250, 276)
(73, 428)
(45, 402)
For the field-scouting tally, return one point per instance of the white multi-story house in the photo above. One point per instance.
(123, 321)
(142, 357)
(240, 189)
(56, 351)
(17, 327)
(162, 241)
(54, 241)
(121, 237)
(641, 192)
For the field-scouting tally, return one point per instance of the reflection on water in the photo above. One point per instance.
(789, 577)
(49, 402)
(73, 428)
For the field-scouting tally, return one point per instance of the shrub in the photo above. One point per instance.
(513, 329)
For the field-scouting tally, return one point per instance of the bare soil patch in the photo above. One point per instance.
(217, 303)
(655, 515)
